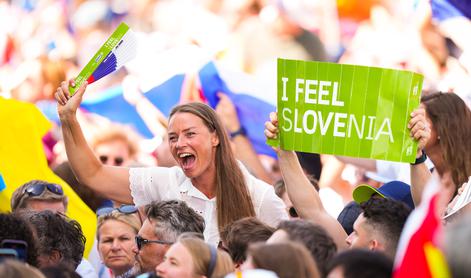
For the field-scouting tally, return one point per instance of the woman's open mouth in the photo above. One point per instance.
(187, 160)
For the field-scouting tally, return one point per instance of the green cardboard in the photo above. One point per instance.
(346, 110)
(99, 56)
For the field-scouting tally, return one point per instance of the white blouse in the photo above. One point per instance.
(160, 183)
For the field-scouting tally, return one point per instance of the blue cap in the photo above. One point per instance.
(396, 190)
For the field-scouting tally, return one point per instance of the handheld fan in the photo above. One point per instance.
(118, 49)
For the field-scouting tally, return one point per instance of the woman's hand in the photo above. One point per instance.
(68, 105)
(419, 129)
(271, 128)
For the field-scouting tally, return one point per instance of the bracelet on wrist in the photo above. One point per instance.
(421, 159)
(240, 131)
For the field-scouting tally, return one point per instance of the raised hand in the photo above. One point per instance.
(227, 112)
(68, 105)
(271, 127)
(419, 128)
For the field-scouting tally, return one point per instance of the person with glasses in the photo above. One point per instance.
(114, 146)
(208, 178)
(39, 195)
(165, 222)
(116, 232)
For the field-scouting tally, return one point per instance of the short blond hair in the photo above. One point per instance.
(116, 133)
(132, 220)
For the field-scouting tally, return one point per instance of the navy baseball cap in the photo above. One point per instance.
(396, 190)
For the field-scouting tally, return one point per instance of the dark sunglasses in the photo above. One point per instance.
(141, 241)
(126, 209)
(118, 161)
(292, 212)
(38, 189)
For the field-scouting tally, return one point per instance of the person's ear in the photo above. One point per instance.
(237, 266)
(214, 139)
(373, 245)
(55, 257)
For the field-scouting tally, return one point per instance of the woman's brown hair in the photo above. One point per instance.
(451, 119)
(201, 254)
(233, 201)
(288, 259)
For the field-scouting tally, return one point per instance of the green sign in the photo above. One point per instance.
(99, 56)
(346, 110)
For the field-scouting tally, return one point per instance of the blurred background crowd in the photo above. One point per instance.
(44, 42)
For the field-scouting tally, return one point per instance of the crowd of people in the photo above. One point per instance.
(197, 200)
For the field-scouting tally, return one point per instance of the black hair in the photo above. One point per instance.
(387, 216)
(14, 227)
(56, 232)
(60, 270)
(361, 263)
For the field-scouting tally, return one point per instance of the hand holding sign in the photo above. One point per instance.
(271, 129)
(419, 129)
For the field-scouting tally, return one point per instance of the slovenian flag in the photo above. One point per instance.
(252, 110)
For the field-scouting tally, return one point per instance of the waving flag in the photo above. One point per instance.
(23, 159)
(418, 254)
(252, 111)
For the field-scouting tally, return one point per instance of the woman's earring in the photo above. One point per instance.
(438, 138)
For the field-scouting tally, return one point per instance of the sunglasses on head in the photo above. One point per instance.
(118, 161)
(126, 209)
(38, 189)
(140, 241)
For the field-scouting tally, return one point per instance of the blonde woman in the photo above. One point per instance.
(116, 232)
(192, 257)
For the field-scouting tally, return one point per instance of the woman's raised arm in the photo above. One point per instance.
(305, 198)
(112, 182)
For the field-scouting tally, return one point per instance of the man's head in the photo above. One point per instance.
(314, 237)
(166, 220)
(379, 226)
(237, 236)
(60, 240)
(39, 195)
(13, 227)
(360, 263)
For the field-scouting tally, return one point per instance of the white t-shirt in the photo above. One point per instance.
(159, 183)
